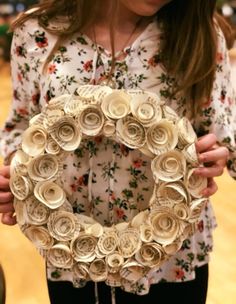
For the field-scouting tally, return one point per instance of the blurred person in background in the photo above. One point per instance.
(175, 48)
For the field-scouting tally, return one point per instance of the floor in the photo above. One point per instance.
(24, 268)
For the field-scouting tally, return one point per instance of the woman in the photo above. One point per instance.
(175, 48)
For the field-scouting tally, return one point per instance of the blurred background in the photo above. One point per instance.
(23, 267)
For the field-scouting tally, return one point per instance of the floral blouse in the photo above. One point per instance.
(103, 177)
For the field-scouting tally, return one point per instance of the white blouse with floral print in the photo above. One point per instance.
(120, 179)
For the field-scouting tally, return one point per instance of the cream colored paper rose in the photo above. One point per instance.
(21, 186)
(109, 128)
(195, 183)
(150, 254)
(52, 147)
(108, 242)
(114, 261)
(83, 247)
(60, 256)
(116, 105)
(98, 270)
(186, 133)
(44, 167)
(19, 163)
(170, 194)
(162, 137)
(91, 120)
(50, 194)
(169, 166)
(34, 140)
(132, 271)
(165, 225)
(66, 133)
(129, 242)
(39, 236)
(146, 109)
(36, 213)
(63, 225)
(81, 271)
(130, 132)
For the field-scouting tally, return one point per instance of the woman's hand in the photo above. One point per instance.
(214, 158)
(6, 197)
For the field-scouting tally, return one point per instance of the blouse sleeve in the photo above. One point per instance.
(219, 115)
(25, 88)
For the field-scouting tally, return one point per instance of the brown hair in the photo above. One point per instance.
(188, 50)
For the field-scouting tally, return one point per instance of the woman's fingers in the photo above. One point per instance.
(4, 183)
(5, 171)
(218, 154)
(206, 142)
(211, 188)
(5, 197)
(215, 170)
(8, 207)
(9, 218)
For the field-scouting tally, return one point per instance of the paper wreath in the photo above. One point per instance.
(68, 240)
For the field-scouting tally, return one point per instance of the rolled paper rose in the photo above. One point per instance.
(81, 271)
(83, 247)
(150, 254)
(186, 133)
(146, 108)
(34, 140)
(37, 119)
(93, 92)
(130, 132)
(94, 229)
(146, 233)
(162, 137)
(21, 186)
(84, 220)
(49, 194)
(116, 105)
(66, 133)
(91, 120)
(196, 209)
(39, 236)
(182, 211)
(52, 147)
(109, 128)
(52, 116)
(132, 271)
(19, 207)
(98, 270)
(19, 163)
(170, 114)
(165, 225)
(145, 150)
(171, 249)
(113, 279)
(76, 105)
(190, 154)
(63, 225)
(195, 183)
(60, 256)
(139, 219)
(129, 242)
(121, 226)
(44, 167)
(108, 242)
(114, 261)
(59, 102)
(36, 213)
(171, 193)
(169, 166)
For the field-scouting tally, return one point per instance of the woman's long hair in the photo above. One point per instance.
(188, 50)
